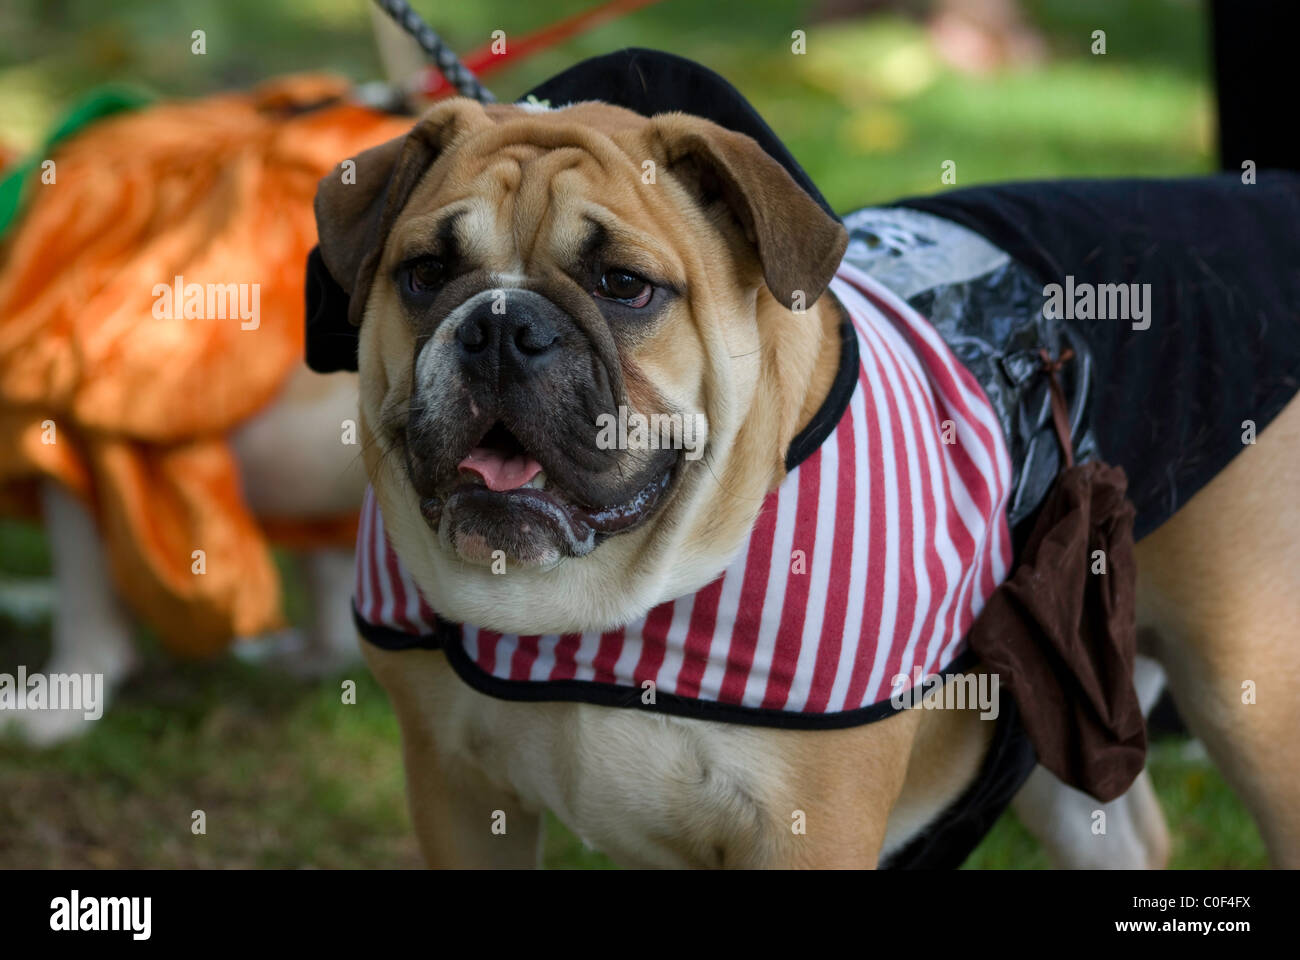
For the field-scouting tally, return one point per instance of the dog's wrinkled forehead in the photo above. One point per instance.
(503, 191)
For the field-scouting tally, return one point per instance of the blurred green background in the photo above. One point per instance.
(887, 93)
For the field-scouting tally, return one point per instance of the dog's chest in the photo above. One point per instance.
(647, 789)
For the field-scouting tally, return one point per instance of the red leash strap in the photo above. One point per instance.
(483, 60)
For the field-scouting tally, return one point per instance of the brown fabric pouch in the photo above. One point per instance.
(1063, 638)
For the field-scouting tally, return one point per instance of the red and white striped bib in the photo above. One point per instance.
(863, 571)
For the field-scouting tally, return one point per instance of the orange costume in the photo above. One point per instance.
(130, 406)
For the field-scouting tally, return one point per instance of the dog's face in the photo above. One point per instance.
(561, 342)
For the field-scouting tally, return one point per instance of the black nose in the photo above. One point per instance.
(507, 338)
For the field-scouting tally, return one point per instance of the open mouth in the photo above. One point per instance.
(502, 499)
(500, 463)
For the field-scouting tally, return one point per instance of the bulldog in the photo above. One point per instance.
(555, 618)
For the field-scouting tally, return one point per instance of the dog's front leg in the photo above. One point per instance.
(461, 819)
(834, 804)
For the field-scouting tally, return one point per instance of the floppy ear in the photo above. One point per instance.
(798, 243)
(356, 205)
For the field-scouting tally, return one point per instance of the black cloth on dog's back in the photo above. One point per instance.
(1223, 346)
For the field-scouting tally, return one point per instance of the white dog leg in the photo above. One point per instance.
(91, 632)
(1068, 822)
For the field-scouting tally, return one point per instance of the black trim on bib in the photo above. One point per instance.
(447, 639)
(831, 412)
(386, 638)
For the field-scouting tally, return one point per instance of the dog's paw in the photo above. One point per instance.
(297, 654)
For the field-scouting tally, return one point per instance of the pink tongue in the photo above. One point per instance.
(498, 471)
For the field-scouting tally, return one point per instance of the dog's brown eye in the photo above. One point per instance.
(424, 275)
(627, 288)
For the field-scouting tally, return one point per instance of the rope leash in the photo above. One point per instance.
(457, 74)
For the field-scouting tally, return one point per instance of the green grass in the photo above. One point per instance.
(290, 776)
(287, 774)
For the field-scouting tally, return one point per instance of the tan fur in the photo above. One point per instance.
(943, 759)
(1219, 584)
(1219, 581)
